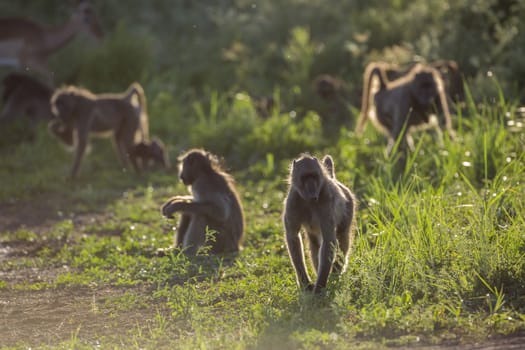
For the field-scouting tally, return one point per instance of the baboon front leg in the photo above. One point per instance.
(82, 137)
(207, 209)
(169, 208)
(295, 250)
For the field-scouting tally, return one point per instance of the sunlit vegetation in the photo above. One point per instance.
(439, 255)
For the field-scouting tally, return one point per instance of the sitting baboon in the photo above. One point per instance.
(325, 209)
(214, 206)
(150, 153)
(327, 86)
(264, 105)
(25, 97)
(405, 104)
(80, 113)
(332, 105)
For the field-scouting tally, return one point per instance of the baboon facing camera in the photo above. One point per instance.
(213, 207)
(325, 209)
(398, 107)
(80, 113)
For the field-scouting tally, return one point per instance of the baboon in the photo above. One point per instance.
(325, 208)
(26, 97)
(448, 69)
(214, 206)
(332, 103)
(150, 153)
(327, 86)
(264, 105)
(80, 113)
(404, 104)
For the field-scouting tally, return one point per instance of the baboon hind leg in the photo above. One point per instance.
(195, 235)
(341, 259)
(314, 245)
(182, 229)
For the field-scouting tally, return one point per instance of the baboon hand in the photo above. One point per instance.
(172, 205)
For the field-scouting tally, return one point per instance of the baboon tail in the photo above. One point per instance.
(372, 69)
(135, 95)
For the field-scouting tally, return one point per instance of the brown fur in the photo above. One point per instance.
(80, 113)
(150, 153)
(214, 206)
(409, 100)
(325, 209)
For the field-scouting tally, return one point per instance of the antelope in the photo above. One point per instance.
(27, 44)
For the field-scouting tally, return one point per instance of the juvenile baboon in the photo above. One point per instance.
(25, 97)
(325, 209)
(332, 105)
(264, 105)
(150, 153)
(80, 113)
(214, 206)
(404, 104)
(327, 86)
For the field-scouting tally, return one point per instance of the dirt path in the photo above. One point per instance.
(52, 316)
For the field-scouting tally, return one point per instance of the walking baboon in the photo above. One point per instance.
(213, 207)
(80, 113)
(148, 152)
(25, 97)
(405, 104)
(325, 208)
(448, 70)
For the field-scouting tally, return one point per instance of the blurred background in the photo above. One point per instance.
(213, 69)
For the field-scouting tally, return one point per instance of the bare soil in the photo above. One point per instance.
(51, 316)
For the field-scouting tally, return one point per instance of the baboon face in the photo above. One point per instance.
(192, 164)
(307, 176)
(425, 88)
(62, 106)
(327, 86)
(157, 152)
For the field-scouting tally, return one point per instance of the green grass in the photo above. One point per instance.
(439, 255)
